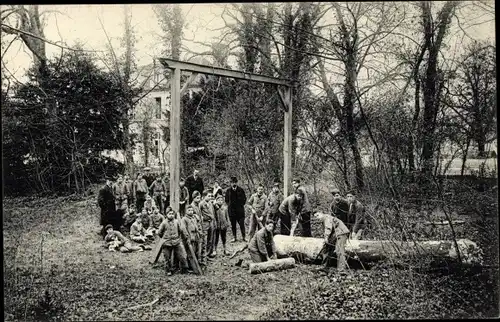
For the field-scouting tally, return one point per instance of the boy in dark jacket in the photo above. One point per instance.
(340, 206)
(140, 192)
(236, 199)
(261, 247)
(106, 201)
(183, 198)
(356, 216)
(172, 233)
(290, 210)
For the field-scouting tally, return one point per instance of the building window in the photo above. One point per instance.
(156, 144)
(158, 108)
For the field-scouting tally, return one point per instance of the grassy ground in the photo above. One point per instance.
(52, 245)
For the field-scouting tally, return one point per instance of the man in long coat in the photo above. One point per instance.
(194, 183)
(235, 199)
(106, 201)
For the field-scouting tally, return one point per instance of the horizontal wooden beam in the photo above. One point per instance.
(218, 71)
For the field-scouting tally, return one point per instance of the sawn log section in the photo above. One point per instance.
(375, 250)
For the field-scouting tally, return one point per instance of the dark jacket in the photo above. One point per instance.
(194, 185)
(106, 201)
(235, 200)
(340, 210)
(291, 207)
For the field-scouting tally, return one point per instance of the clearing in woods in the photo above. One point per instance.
(52, 244)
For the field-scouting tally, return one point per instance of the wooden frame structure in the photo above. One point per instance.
(176, 66)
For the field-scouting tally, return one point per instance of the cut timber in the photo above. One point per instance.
(374, 250)
(271, 265)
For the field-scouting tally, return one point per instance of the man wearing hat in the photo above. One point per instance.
(235, 199)
(106, 201)
(339, 207)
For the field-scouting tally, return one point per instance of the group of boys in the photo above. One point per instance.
(204, 217)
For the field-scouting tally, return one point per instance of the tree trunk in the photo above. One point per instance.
(464, 157)
(271, 265)
(376, 250)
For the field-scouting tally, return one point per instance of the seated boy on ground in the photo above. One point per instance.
(156, 219)
(137, 231)
(129, 217)
(147, 223)
(115, 240)
(149, 204)
(171, 231)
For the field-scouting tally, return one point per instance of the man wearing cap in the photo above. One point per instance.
(235, 199)
(305, 215)
(356, 216)
(106, 201)
(339, 207)
(194, 183)
(290, 209)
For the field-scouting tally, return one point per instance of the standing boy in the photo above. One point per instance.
(305, 216)
(356, 216)
(194, 235)
(183, 197)
(171, 233)
(197, 214)
(158, 191)
(222, 221)
(208, 221)
(235, 199)
(274, 201)
(140, 192)
(257, 203)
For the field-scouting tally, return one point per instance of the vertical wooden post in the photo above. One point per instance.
(175, 138)
(287, 146)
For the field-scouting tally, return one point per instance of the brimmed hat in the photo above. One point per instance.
(234, 180)
(108, 226)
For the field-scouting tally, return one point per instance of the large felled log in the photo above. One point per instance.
(271, 265)
(375, 250)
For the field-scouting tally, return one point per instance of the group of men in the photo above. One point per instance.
(204, 216)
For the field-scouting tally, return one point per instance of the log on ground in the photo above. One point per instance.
(271, 265)
(375, 250)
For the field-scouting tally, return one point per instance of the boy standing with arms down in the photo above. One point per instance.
(356, 216)
(158, 190)
(335, 236)
(183, 198)
(274, 201)
(192, 228)
(236, 199)
(140, 192)
(171, 231)
(208, 223)
(257, 203)
(222, 221)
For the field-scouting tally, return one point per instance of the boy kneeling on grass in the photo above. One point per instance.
(261, 247)
(147, 224)
(115, 240)
(171, 231)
